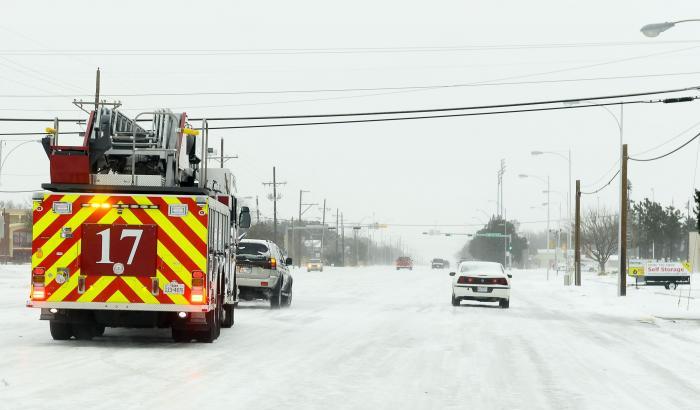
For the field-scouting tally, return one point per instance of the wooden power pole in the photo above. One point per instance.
(622, 279)
(577, 236)
(274, 184)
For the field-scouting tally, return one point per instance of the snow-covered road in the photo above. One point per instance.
(374, 338)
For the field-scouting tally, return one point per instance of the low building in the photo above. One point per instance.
(15, 235)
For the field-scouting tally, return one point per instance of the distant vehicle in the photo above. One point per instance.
(263, 273)
(438, 263)
(481, 281)
(314, 264)
(404, 262)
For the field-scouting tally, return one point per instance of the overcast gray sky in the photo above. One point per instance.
(438, 171)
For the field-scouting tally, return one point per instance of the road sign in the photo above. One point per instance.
(492, 235)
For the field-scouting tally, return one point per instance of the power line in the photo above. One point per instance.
(339, 90)
(428, 110)
(346, 50)
(17, 134)
(231, 127)
(666, 154)
(670, 139)
(604, 186)
(477, 107)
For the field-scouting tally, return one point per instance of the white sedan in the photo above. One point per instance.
(481, 281)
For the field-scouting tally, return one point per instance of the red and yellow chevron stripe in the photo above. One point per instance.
(57, 244)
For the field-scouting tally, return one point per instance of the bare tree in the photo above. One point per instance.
(599, 235)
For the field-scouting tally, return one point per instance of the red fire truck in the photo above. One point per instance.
(134, 230)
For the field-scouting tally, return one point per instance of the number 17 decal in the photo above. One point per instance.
(126, 233)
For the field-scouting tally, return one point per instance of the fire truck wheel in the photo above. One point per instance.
(83, 331)
(276, 297)
(228, 317)
(60, 331)
(214, 321)
(181, 335)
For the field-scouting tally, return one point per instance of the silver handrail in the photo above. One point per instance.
(133, 136)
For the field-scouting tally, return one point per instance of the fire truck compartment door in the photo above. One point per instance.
(119, 250)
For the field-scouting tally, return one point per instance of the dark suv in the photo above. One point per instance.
(262, 272)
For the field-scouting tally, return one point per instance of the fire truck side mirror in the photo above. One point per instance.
(244, 218)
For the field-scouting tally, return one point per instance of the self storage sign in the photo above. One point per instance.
(665, 268)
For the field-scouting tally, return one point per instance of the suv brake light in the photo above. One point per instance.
(271, 264)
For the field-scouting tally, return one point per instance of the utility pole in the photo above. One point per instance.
(257, 210)
(337, 259)
(357, 247)
(548, 207)
(274, 198)
(291, 242)
(622, 254)
(97, 90)
(323, 226)
(501, 172)
(222, 153)
(577, 236)
(297, 246)
(342, 230)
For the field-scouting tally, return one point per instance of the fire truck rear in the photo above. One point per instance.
(135, 231)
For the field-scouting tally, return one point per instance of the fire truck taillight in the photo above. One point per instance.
(62, 208)
(38, 284)
(198, 286)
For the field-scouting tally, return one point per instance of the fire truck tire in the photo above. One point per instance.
(276, 297)
(214, 321)
(83, 331)
(60, 330)
(228, 317)
(181, 335)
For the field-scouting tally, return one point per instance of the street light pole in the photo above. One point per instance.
(548, 214)
(567, 158)
(2, 163)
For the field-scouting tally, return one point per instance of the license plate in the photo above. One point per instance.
(482, 289)
(245, 269)
(174, 288)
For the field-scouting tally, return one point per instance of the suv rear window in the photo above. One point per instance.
(252, 248)
(404, 259)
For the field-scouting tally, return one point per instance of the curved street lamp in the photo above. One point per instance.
(654, 29)
(2, 163)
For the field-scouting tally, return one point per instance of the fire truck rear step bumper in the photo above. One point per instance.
(146, 307)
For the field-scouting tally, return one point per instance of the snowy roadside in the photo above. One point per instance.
(372, 337)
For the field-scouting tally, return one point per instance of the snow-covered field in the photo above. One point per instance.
(374, 338)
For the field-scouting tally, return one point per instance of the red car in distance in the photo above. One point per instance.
(404, 262)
